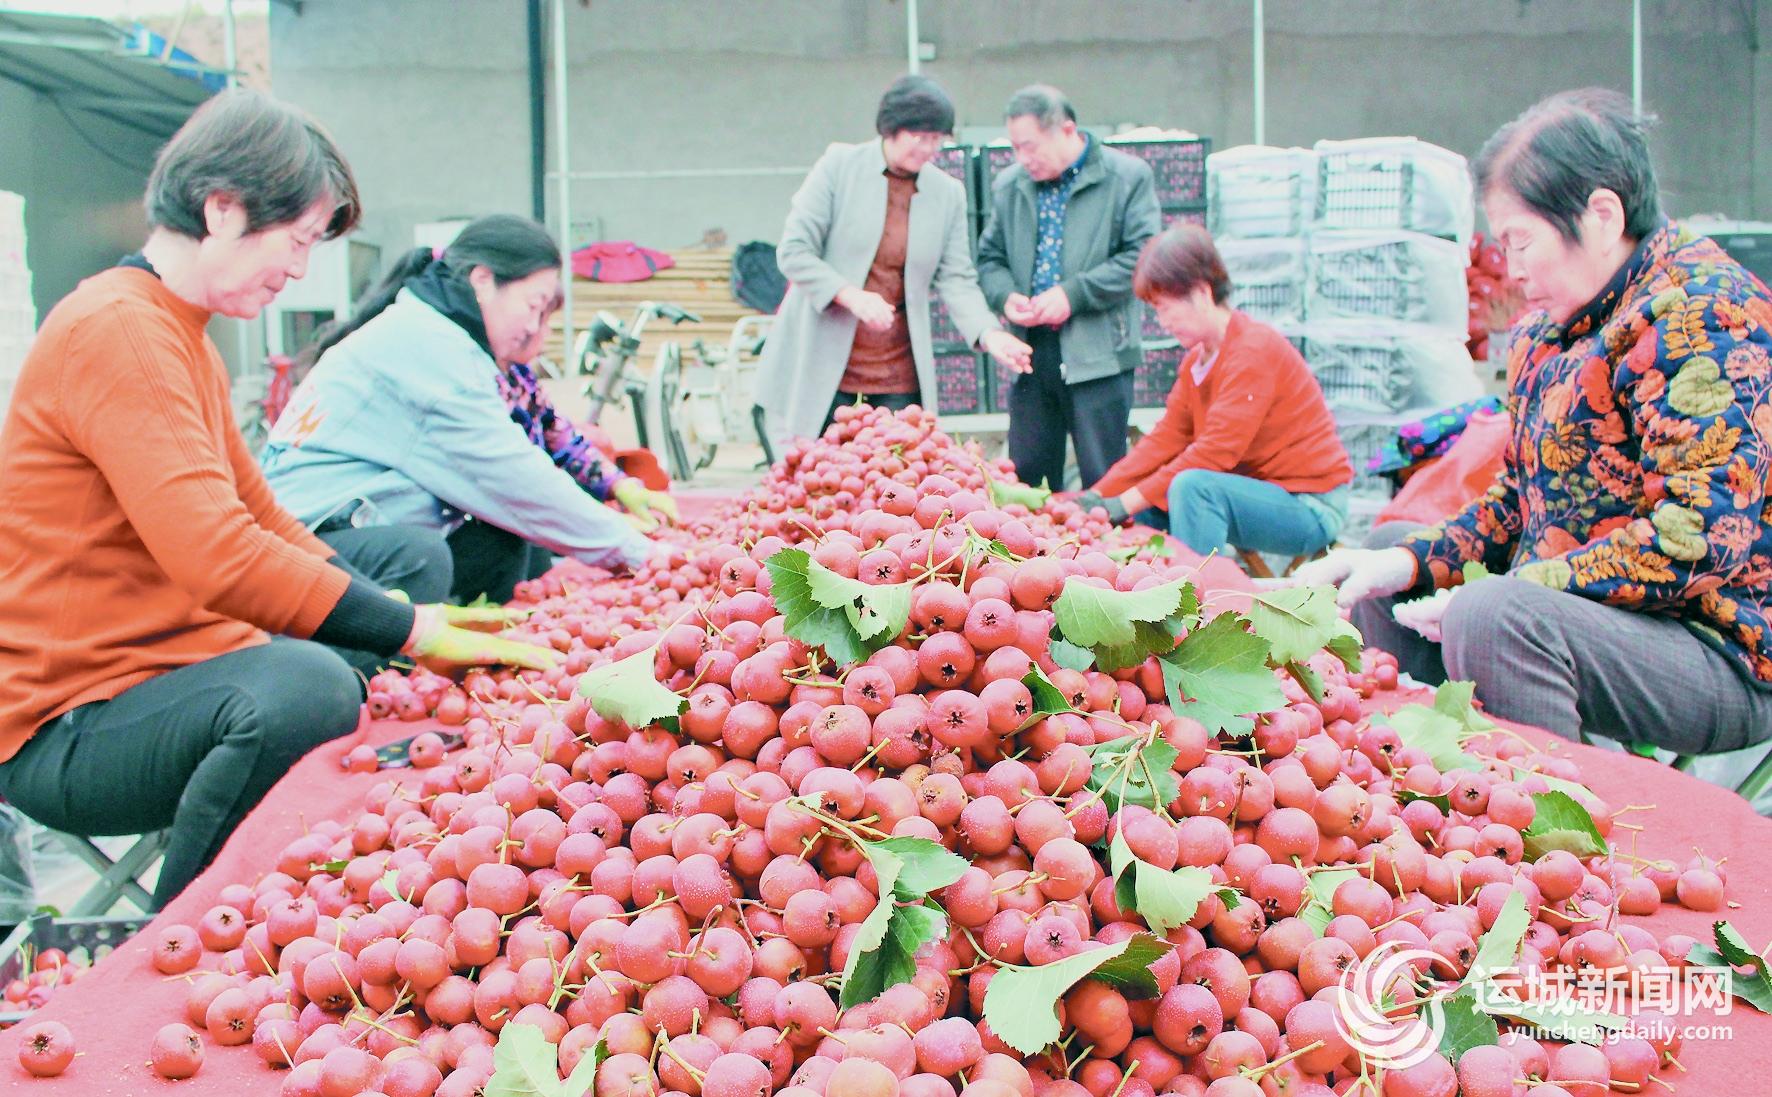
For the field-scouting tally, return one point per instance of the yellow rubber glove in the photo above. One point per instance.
(648, 507)
(475, 618)
(438, 644)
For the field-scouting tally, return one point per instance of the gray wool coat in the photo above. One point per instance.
(832, 232)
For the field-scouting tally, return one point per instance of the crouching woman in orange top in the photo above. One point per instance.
(1246, 453)
(171, 640)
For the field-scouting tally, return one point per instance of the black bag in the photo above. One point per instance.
(756, 280)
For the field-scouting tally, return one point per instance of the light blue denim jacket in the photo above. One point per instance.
(405, 415)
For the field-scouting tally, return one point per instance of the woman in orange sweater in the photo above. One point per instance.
(1246, 453)
(170, 638)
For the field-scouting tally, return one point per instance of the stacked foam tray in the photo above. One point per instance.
(1357, 250)
(18, 317)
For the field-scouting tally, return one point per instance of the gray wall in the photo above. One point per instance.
(430, 99)
(82, 205)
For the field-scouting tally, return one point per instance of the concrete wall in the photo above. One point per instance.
(82, 203)
(430, 100)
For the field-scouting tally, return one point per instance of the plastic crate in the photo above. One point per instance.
(1394, 183)
(962, 386)
(1404, 276)
(942, 331)
(1196, 216)
(959, 161)
(993, 160)
(1269, 277)
(1155, 376)
(1364, 437)
(85, 940)
(1178, 164)
(1257, 191)
(1387, 369)
(1002, 380)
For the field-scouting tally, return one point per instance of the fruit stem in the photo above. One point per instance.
(1124, 1077)
(665, 1047)
(1258, 1072)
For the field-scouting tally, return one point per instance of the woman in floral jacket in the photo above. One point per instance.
(1631, 515)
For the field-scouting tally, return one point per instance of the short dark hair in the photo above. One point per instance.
(914, 103)
(275, 159)
(1562, 149)
(1043, 103)
(1178, 261)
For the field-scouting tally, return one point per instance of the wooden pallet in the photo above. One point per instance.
(701, 282)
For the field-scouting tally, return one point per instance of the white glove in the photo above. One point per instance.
(1424, 615)
(1359, 573)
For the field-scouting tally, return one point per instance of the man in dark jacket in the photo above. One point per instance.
(1067, 223)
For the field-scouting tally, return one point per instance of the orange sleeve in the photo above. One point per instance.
(1242, 392)
(138, 415)
(1169, 437)
(255, 492)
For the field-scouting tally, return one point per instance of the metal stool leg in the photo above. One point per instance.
(117, 879)
(1756, 781)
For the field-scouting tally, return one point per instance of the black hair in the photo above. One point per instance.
(914, 103)
(511, 247)
(276, 160)
(1563, 148)
(1043, 103)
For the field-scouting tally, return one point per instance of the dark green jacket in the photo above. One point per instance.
(1112, 213)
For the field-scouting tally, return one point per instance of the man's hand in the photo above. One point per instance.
(1052, 308)
(1007, 349)
(1359, 573)
(869, 308)
(646, 507)
(1018, 309)
(441, 646)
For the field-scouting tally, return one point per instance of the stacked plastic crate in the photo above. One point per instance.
(1357, 249)
(962, 377)
(18, 316)
(1178, 163)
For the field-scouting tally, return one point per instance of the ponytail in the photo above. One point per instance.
(511, 247)
(367, 308)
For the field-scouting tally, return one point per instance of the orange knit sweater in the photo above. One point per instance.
(1258, 413)
(137, 534)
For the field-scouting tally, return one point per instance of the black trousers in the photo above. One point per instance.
(489, 562)
(1044, 411)
(196, 748)
(891, 401)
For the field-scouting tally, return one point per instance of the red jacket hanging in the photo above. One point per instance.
(619, 261)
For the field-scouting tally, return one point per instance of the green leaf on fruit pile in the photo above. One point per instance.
(1157, 546)
(1465, 1026)
(1120, 628)
(1559, 1019)
(390, 882)
(850, 619)
(1319, 906)
(1021, 1002)
(1219, 675)
(1409, 796)
(1433, 731)
(628, 690)
(1733, 952)
(1165, 898)
(924, 866)
(524, 1064)
(1070, 656)
(1560, 822)
(1005, 492)
(1301, 621)
(1499, 948)
(330, 867)
(884, 951)
(1126, 773)
(1456, 700)
(1555, 784)
(1048, 698)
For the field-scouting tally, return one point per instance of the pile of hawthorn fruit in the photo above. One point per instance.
(597, 894)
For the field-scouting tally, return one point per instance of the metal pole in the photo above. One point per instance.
(230, 45)
(1260, 47)
(913, 37)
(1636, 57)
(562, 138)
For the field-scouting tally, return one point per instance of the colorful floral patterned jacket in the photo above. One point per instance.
(573, 452)
(1636, 473)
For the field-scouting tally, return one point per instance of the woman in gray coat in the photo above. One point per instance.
(874, 228)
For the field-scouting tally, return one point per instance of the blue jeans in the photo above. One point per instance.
(1209, 510)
